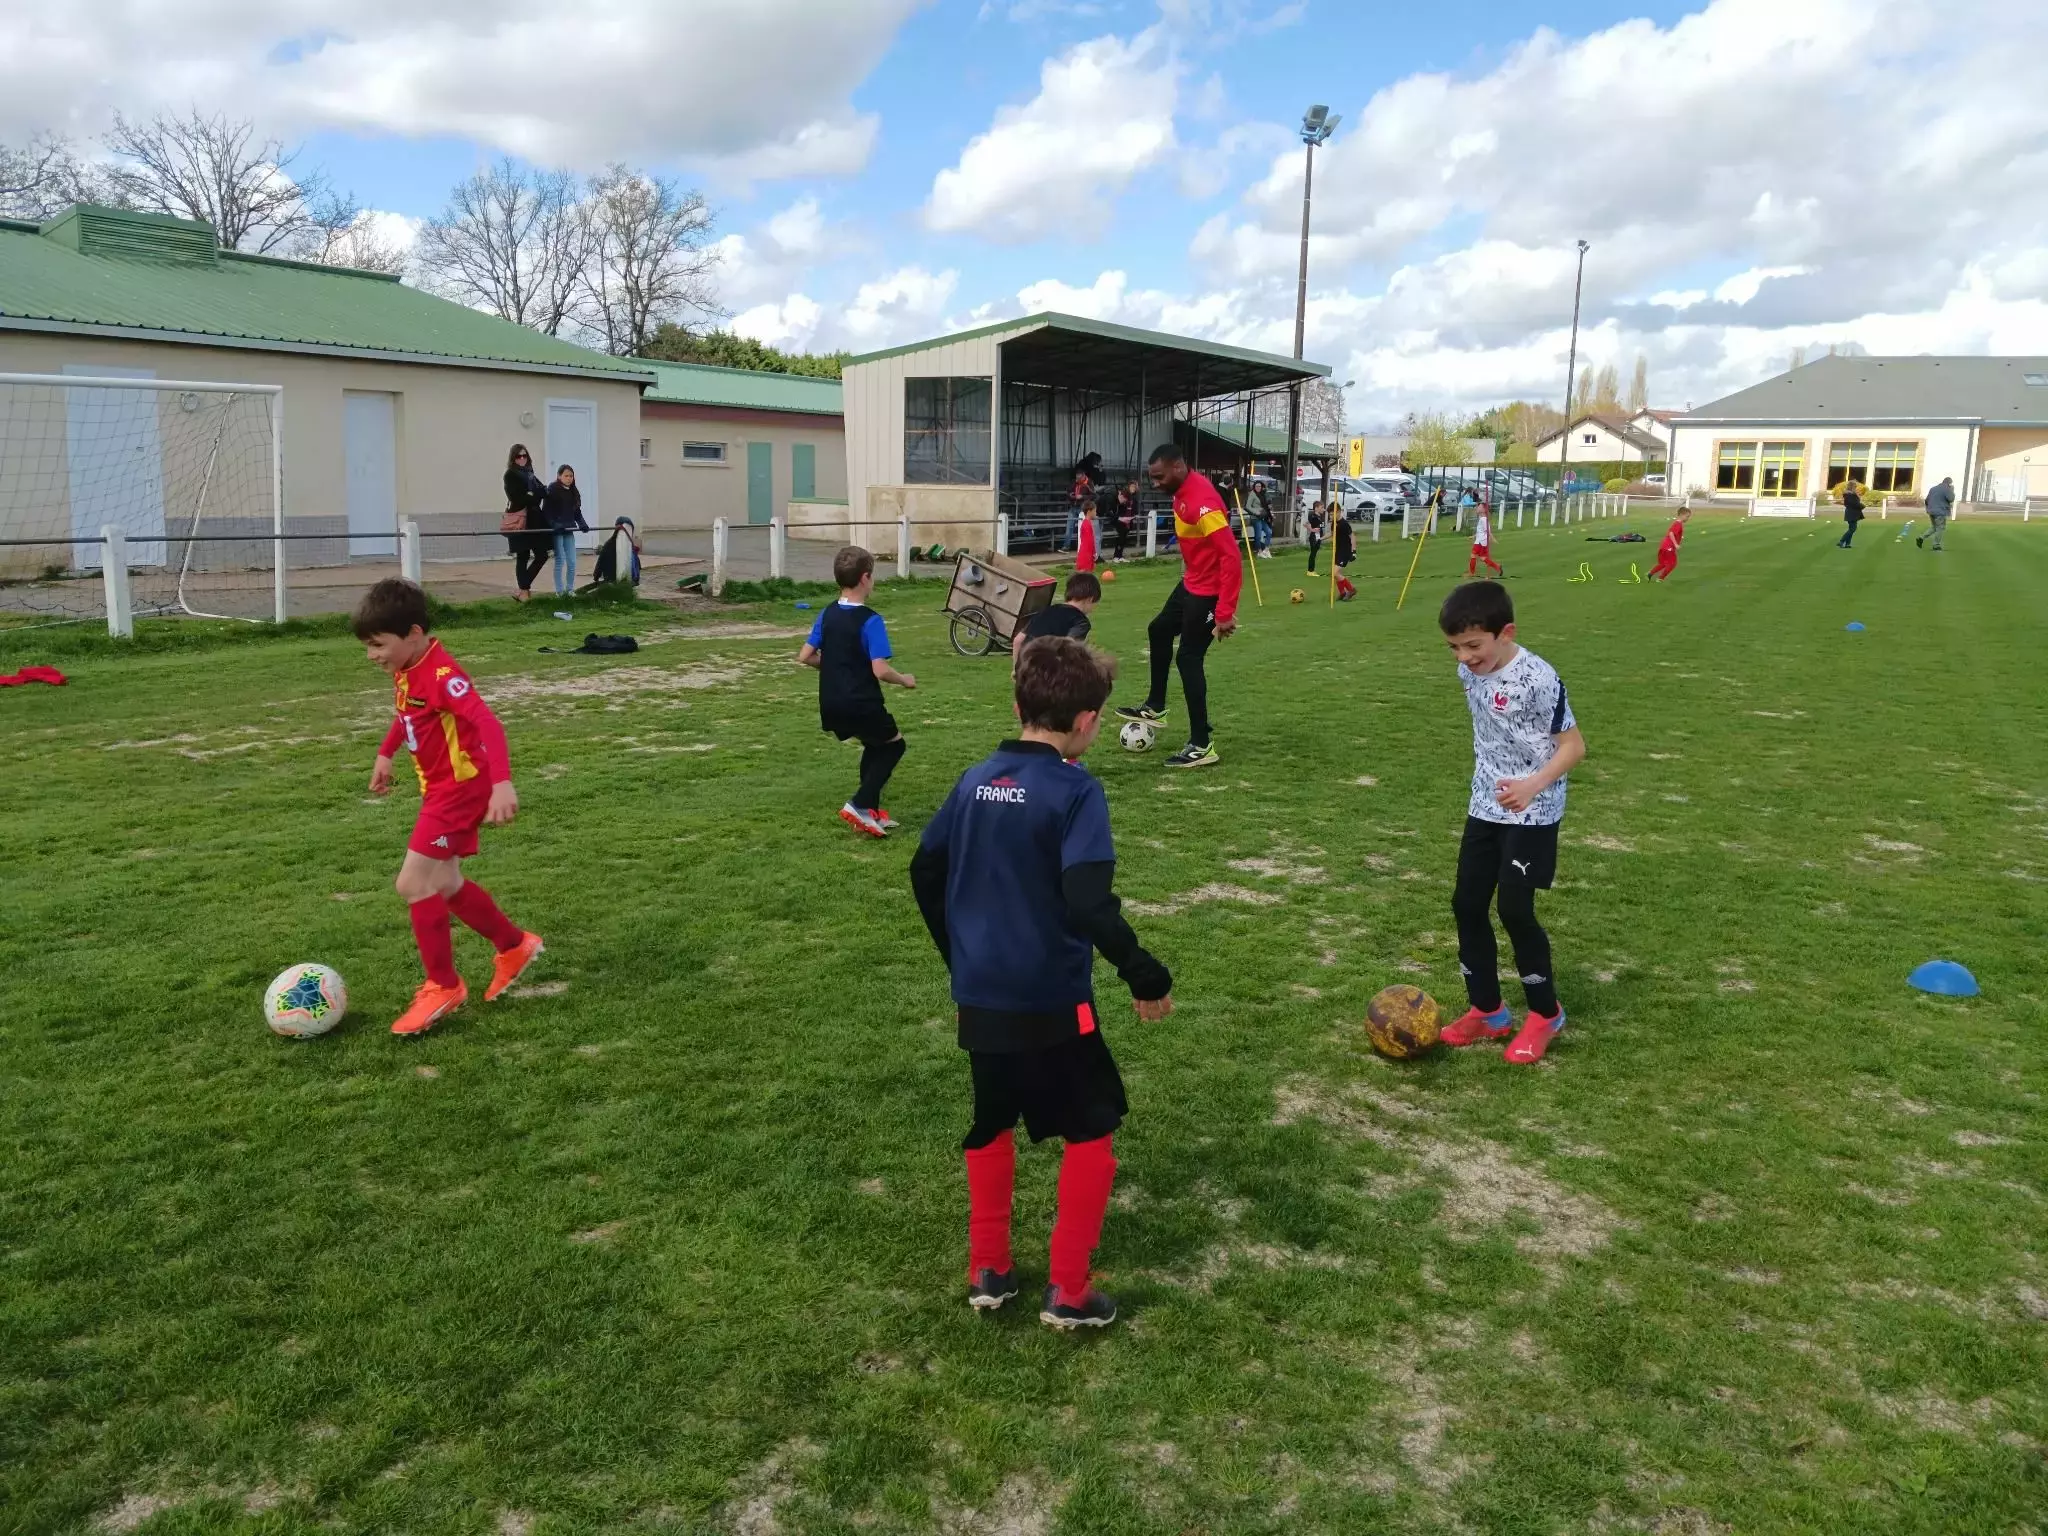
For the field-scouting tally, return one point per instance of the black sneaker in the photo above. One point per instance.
(991, 1289)
(1921, 542)
(1141, 712)
(1094, 1311)
(1192, 756)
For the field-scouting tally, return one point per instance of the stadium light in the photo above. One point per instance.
(1317, 124)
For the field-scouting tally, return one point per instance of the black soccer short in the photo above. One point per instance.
(1071, 1090)
(1508, 855)
(871, 727)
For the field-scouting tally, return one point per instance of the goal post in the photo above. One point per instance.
(190, 472)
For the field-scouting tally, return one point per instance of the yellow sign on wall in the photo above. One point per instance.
(1357, 457)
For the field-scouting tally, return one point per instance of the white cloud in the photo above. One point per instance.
(791, 324)
(1744, 286)
(742, 88)
(761, 267)
(1103, 113)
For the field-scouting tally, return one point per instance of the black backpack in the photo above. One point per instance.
(598, 645)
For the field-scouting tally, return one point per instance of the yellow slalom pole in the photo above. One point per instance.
(1421, 540)
(1251, 558)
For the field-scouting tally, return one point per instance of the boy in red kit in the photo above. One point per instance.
(458, 749)
(1482, 543)
(1667, 552)
(1202, 608)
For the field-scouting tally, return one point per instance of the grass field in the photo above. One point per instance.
(675, 1240)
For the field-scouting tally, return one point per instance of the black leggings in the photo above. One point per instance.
(530, 552)
(878, 760)
(1192, 621)
(1479, 870)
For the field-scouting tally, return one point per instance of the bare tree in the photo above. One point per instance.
(1639, 386)
(358, 245)
(215, 169)
(650, 258)
(514, 242)
(1607, 389)
(42, 178)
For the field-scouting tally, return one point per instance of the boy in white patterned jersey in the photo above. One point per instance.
(1524, 742)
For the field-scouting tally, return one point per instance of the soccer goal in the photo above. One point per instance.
(127, 495)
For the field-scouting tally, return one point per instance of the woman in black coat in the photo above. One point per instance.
(532, 541)
(1852, 513)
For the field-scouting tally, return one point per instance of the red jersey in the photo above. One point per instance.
(452, 734)
(1673, 537)
(1208, 549)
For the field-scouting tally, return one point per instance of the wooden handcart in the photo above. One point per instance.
(992, 598)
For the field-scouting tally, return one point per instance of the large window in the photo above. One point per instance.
(1874, 466)
(1780, 468)
(946, 436)
(1735, 469)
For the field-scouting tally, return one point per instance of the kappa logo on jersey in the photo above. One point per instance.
(457, 687)
(1001, 789)
(441, 841)
(441, 672)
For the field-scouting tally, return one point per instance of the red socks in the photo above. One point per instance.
(1086, 1173)
(473, 905)
(991, 1178)
(437, 944)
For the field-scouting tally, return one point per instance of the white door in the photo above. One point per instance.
(370, 472)
(116, 461)
(572, 440)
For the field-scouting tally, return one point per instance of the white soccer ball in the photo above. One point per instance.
(304, 1001)
(1137, 736)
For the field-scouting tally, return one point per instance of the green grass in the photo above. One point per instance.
(679, 1247)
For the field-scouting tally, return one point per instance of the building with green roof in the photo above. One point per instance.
(396, 404)
(740, 444)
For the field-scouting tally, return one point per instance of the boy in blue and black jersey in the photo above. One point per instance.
(1014, 878)
(849, 645)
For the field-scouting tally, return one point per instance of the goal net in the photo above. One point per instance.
(186, 473)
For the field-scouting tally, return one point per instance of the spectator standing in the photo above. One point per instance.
(1852, 514)
(562, 506)
(1126, 518)
(1941, 506)
(1262, 520)
(1316, 525)
(523, 524)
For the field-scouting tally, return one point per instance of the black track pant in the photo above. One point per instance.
(1192, 621)
(877, 761)
(530, 551)
(1514, 860)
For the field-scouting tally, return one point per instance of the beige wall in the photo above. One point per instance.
(453, 427)
(1944, 451)
(678, 495)
(2015, 463)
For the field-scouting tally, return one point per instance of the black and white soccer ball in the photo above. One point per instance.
(1137, 736)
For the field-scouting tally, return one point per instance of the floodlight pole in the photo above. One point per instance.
(1316, 127)
(1571, 368)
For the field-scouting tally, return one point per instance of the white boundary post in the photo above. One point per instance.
(778, 533)
(410, 555)
(903, 549)
(1002, 533)
(278, 609)
(717, 584)
(114, 571)
(1152, 534)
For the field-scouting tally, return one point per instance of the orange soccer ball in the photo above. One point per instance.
(1108, 575)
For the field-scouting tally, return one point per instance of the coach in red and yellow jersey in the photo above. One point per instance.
(1203, 607)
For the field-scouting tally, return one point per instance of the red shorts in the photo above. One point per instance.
(449, 819)
(1482, 550)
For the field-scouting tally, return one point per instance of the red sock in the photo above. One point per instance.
(1086, 1172)
(991, 1179)
(473, 905)
(437, 944)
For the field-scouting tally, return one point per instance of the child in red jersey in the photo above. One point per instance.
(1202, 608)
(1482, 543)
(1667, 552)
(458, 749)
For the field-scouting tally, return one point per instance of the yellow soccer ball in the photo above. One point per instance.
(1297, 596)
(1402, 1022)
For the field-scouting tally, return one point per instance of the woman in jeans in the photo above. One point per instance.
(523, 495)
(562, 507)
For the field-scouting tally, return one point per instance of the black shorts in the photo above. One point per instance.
(1509, 855)
(1071, 1090)
(871, 727)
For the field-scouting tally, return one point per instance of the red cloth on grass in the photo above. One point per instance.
(48, 675)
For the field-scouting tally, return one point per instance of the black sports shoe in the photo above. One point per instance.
(1141, 712)
(991, 1289)
(1192, 756)
(1921, 542)
(1094, 1311)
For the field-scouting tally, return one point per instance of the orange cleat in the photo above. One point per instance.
(511, 964)
(428, 1005)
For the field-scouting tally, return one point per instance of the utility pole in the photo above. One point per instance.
(1571, 369)
(1317, 124)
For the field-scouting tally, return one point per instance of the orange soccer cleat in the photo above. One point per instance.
(511, 964)
(428, 1005)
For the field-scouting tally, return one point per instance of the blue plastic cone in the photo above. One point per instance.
(1944, 978)
(1854, 626)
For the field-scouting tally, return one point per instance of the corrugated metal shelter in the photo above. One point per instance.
(994, 419)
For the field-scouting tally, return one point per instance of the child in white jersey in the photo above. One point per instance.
(1524, 742)
(1482, 543)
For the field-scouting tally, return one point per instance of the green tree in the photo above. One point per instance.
(1432, 441)
(724, 349)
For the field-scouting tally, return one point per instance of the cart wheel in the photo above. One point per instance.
(973, 634)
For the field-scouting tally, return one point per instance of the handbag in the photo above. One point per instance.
(513, 520)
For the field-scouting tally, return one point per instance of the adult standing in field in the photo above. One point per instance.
(1852, 513)
(1941, 505)
(524, 525)
(562, 506)
(1202, 606)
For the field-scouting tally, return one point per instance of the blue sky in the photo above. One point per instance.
(1754, 175)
